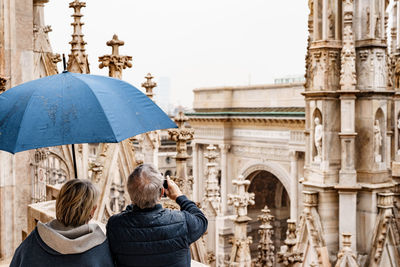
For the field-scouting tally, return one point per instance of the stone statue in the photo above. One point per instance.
(377, 141)
(368, 22)
(397, 74)
(398, 133)
(318, 139)
(378, 26)
(331, 19)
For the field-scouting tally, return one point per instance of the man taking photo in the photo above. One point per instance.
(146, 234)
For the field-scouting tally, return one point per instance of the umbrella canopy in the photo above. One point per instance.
(71, 108)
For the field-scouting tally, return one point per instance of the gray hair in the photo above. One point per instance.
(144, 186)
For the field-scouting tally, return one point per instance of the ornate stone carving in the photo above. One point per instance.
(288, 256)
(317, 74)
(3, 83)
(49, 168)
(381, 72)
(77, 59)
(308, 58)
(266, 248)
(240, 254)
(212, 190)
(364, 69)
(181, 136)
(310, 240)
(45, 61)
(385, 227)
(115, 62)
(333, 70)
(149, 85)
(346, 257)
(397, 74)
(348, 78)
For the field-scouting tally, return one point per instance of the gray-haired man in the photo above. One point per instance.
(146, 234)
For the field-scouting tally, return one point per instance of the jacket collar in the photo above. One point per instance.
(134, 208)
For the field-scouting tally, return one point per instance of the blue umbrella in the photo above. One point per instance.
(71, 108)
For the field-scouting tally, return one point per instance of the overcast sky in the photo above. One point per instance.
(194, 43)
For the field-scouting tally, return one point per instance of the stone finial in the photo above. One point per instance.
(180, 119)
(241, 199)
(266, 246)
(115, 62)
(115, 43)
(181, 135)
(212, 190)
(346, 257)
(77, 60)
(288, 256)
(3, 83)
(291, 239)
(149, 85)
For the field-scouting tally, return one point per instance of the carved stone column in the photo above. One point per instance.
(212, 190)
(150, 142)
(196, 179)
(293, 185)
(212, 201)
(45, 61)
(347, 175)
(224, 148)
(240, 254)
(266, 248)
(181, 136)
(115, 62)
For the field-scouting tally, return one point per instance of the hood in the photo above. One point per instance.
(70, 240)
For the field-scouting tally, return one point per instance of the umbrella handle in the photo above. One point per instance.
(74, 160)
(64, 63)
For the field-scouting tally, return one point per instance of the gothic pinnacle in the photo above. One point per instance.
(149, 85)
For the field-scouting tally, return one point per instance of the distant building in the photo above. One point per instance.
(290, 79)
(163, 94)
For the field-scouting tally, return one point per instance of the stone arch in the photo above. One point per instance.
(269, 182)
(275, 168)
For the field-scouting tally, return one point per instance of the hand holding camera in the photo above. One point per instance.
(171, 189)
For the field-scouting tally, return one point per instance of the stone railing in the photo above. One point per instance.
(297, 137)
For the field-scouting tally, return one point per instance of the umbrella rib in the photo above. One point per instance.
(102, 109)
(23, 118)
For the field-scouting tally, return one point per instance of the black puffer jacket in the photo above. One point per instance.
(156, 236)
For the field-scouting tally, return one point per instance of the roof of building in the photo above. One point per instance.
(259, 112)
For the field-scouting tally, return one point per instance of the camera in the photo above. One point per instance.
(165, 185)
